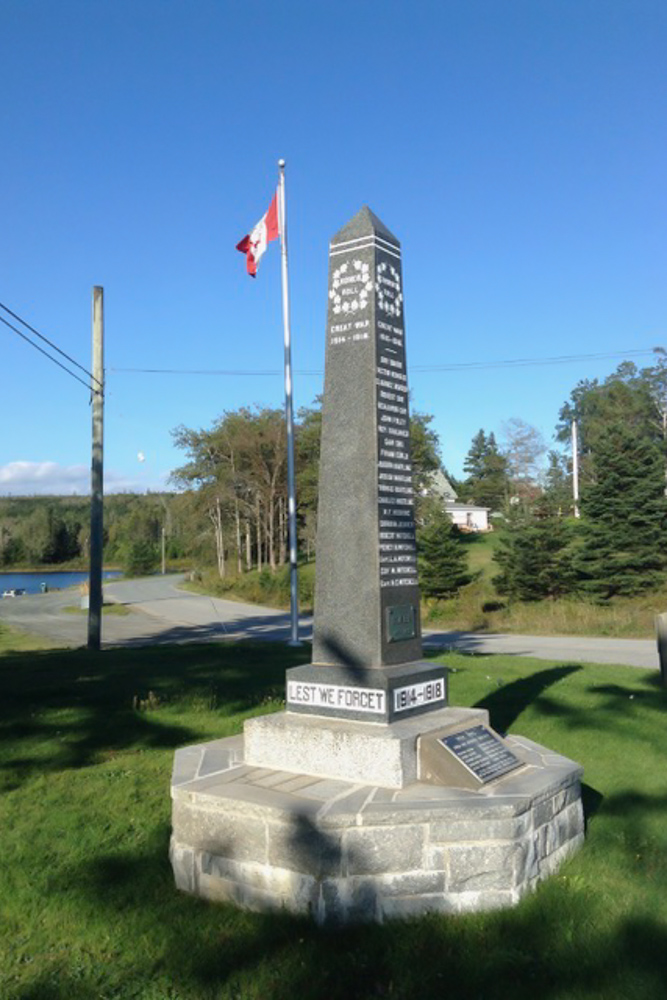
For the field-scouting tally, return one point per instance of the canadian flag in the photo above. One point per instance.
(254, 245)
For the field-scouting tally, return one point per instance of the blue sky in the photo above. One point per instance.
(516, 149)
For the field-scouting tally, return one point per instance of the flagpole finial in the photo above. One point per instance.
(281, 164)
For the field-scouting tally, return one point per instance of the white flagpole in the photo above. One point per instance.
(289, 417)
(575, 468)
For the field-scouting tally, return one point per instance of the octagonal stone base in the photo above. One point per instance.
(345, 851)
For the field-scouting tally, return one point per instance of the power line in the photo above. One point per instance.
(45, 353)
(519, 362)
(461, 366)
(204, 371)
(46, 341)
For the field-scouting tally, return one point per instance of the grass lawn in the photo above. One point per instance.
(479, 607)
(87, 904)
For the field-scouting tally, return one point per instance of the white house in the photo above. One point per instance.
(466, 516)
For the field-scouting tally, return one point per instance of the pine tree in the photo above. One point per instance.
(487, 481)
(443, 559)
(558, 484)
(625, 515)
(629, 395)
(534, 554)
(475, 459)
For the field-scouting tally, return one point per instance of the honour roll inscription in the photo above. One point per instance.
(350, 287)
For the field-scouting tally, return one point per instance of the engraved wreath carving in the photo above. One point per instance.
(350, 287)
(389, 295)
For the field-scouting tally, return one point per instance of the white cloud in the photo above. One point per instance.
(30, 478)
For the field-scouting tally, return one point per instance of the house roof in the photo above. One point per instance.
(440, 486)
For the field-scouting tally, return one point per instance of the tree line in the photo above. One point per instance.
(51, 531)
(617, 546)
(236, 480)
(228, 507)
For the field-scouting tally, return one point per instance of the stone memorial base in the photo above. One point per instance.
(352, 847)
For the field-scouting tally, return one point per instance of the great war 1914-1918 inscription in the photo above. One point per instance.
(367, 633)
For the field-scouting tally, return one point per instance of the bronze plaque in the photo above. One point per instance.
(401, 619)
(481, 752)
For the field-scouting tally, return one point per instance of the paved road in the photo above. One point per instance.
(630, 652)
(160, 612)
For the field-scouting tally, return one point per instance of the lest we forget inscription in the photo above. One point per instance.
(367, 653)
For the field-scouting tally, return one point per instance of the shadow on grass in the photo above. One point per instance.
(195, 950)
(62, 709)
(159, 944)
(507, 703)
(254, 628)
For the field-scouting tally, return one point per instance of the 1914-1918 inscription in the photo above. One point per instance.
(482, 753)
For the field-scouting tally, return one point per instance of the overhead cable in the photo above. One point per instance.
(46, 341)
(455, 366)
(42, 351)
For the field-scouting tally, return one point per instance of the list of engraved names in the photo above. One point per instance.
(398, 550)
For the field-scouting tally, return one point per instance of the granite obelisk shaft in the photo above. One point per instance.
(366, 596)
(367, 664)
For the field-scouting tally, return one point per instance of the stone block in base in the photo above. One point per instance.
(372, 754)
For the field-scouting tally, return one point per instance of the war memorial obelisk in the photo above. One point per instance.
(367, 635)
(369, 797)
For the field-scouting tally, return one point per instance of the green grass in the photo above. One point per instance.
(87, 904)
(107, 609)
(477, 607)
(15, 641)
(265, 587)
(481, 549)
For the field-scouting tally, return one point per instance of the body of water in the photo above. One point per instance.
(32, 582)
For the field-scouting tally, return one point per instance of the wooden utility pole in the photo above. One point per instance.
(97, 474)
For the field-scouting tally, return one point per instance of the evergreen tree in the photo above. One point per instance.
(534, 554)
(487, 482)
(631, 396)
(141, 558)
(624, 512)
(558, 484)
(474, 463)
(443, 559)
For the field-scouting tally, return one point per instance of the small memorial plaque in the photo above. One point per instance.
(401, 622)
(482, 753)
